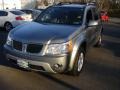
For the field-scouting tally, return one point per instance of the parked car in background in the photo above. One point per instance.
(12, 18)
(33, 12)
(40, 9)
(57, 40)
(104, 16)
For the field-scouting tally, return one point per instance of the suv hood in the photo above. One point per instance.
(42, 33)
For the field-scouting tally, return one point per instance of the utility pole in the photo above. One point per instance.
(3, 4)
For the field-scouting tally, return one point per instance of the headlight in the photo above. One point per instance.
(9, 40)
(56, 49)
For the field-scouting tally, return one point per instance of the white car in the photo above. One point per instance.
(12, 18)
(33, 12)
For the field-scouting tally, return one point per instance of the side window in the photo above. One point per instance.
(95, 14)
(89, 16)
(28, 12)
(0, 13)
(3, 13)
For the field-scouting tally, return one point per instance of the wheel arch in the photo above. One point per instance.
(76, 48)
(7, 22)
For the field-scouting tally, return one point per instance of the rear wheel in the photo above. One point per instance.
(78, 62)
(99, 42)
(8, 26)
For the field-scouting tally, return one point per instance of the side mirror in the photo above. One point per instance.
(92, 23)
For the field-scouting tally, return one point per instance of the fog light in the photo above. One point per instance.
(57, 67)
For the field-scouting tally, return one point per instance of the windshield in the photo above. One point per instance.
(17, 12)
(62, 15)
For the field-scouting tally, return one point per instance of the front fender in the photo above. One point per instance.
(80, 39)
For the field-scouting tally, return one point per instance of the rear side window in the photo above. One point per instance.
(17, 12)
(95, 14)
(89, 16)
(3, 13)
(27, 11)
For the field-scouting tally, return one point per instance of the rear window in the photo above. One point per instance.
(17, 12)
(27, 11)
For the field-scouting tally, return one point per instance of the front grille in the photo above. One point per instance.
(30, 48)
(17, 45)
(33, 48)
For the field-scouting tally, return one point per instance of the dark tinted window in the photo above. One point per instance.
(95, 14)
(89, 16)
(3, 13)
(62, 15)
(27, 11)
(36, 13)
(17, 12)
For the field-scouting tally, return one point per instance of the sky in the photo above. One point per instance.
(12, 3)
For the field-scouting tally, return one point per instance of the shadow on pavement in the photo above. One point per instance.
(113, 43)
(63, 83)
(112, 46)
(114, 30)
(105, 69)
(3, 37)
(105, 73)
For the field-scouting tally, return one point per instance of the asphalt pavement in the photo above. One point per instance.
(101, 70)
(114, 20)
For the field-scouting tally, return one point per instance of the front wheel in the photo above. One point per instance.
(78, 62)
(8, 26)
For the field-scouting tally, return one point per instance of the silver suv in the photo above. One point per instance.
(57, 40)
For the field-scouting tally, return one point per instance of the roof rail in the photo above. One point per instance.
(62, 3)
(82, 3)
(92, 3)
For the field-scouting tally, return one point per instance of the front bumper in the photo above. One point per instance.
(52, 64)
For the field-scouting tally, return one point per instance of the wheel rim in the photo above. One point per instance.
(80, 61)
(8, 27)
(100, 40)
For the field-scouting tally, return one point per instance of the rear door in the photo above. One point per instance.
(89, 30)
(98, 28)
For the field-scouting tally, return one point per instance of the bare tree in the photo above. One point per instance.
(103, 4)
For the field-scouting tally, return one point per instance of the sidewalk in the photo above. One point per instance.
(114, 20)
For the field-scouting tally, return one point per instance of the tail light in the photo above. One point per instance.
(19, 18)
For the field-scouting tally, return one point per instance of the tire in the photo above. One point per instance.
(99, 42)
(8, 26)
(78, 64)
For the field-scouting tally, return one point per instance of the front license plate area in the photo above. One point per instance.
(22, 63)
